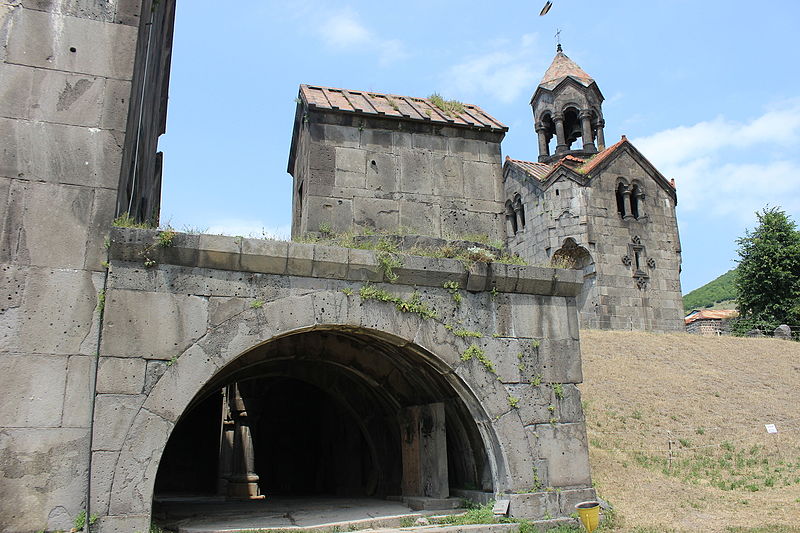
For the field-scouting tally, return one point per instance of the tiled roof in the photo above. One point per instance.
(597, 159)
(396, 106)
(712, 314)
(560, 68)
(540, 171)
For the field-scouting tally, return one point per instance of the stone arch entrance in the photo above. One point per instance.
(335, 412)
(391, 371)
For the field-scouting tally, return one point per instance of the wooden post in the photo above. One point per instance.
(424, 448)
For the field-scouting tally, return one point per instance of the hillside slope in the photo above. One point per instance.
(711, 396)
(721, 289)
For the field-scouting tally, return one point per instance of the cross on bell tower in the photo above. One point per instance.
(567, 104)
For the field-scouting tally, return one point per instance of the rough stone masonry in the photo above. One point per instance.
(136, 364)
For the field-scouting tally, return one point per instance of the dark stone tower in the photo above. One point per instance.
(568, 104)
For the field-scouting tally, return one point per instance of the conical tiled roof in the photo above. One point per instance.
(560, 68)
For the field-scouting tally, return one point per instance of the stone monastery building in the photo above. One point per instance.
(136, 364)
(369, 161)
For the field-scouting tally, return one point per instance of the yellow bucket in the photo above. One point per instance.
(589, 513)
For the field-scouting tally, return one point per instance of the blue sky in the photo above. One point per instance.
(707, 90)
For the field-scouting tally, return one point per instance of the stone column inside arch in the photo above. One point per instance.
(586, 131)
(226, 445)
(544, 147)
(424, 449)
(601, 139)
(561, 137)
(243, 480)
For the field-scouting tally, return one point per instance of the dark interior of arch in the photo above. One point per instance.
(325, 410)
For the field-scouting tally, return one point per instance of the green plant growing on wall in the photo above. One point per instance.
(513, 401)
(476, 352)
(127, 221)
(558, 390)
(463, 333)
(80, 520)
(537, 380)
(413, 305)
(256, 304)
(325, 228)
(101, 301)
(451, 108)
(453, 288)
(165, 237)
(347, 291)
(172, 360)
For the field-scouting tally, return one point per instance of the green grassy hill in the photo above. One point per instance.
(719, 290)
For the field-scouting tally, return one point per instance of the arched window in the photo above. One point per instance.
(519, 210)
(637, 201)
(620, 193)
(511, 219)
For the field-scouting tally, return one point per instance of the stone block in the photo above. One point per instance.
(376, 213)
(376, 140)
(77, 396)
(300, 259)
(121, 375)
(427, 271)
(382, 172)
(57, 240)
(103, 463)
(124, 523)
(561, 360)
(415, 172)
(128, 12)
(338, 136)
(101, 219)
(363, 266)
(219, 251)
(330, 262)
(181, 381)
(355, 180)
(421, 217)
(135, 474)
(534, 402)
(337, 308)
(335, 212)
(448, 176)
(569, 498)
(34, 389)
(477, 277)
(43, 473)
(56, 314)
(153, 372)
(519, 459)
(86, 9)
(433, 143)
(113, 414)
(480, 180)
(151, 325)
(351, 160)
(269, 257)
(535, 505)
(60, 153)
(565, 448)
(70, 44)
(115, 104)
(466, 149)
(52, 96)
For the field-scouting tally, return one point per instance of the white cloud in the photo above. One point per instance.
(249, 228)
(503, 73)
(343, 31)
(724, 167)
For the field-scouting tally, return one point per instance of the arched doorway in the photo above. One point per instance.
(338, 411)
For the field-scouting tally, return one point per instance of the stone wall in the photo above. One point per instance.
(169, 329)
(381, 174)
(587, 213)
(65, 78)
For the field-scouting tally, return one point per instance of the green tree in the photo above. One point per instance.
(768, 275)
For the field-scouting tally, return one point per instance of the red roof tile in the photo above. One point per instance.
(560, 68)
(540, 171)
(396, 106)
(712, 314)
(597, 159)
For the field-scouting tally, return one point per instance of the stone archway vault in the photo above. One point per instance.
(123, 486)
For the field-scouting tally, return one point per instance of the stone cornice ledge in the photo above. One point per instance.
(333, 262)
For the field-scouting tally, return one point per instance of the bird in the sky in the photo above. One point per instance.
(546, 8)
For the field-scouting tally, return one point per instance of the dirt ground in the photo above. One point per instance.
(708, 399)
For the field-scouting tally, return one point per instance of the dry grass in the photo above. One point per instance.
(711, 396)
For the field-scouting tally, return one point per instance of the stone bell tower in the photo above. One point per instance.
(567, 103)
